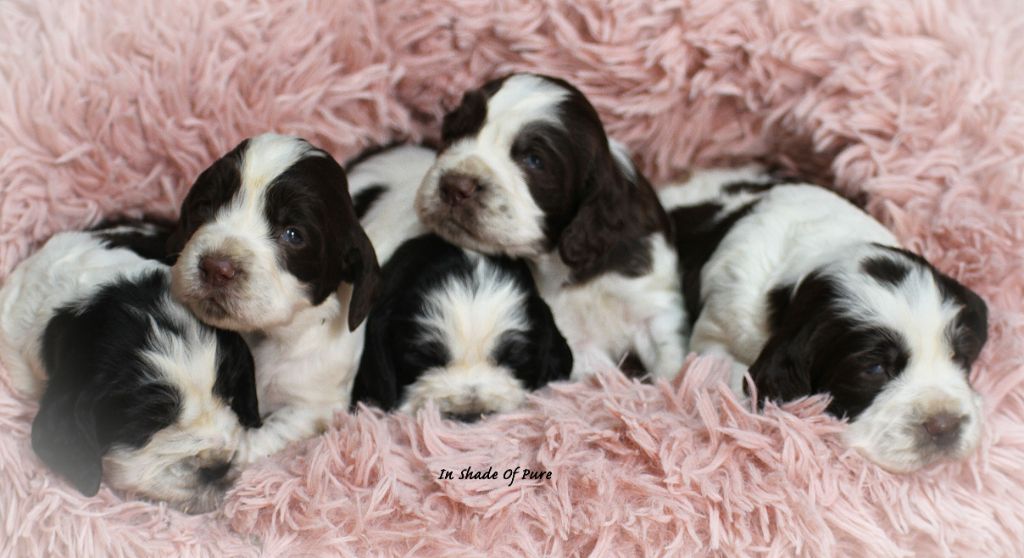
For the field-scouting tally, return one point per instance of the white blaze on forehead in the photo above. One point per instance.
(915, 308)
(267, 156)
(521, 100)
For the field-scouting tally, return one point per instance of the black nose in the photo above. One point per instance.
(457, 188)
(943, 428)
(216, 270)
(215, 472)
(464, 417)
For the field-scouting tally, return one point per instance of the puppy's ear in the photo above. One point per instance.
(377, 379)
(236, 378)
(616, 214)
(971, 324)
(777, 373)
(360, 268)
(554, 356)
(65, 439)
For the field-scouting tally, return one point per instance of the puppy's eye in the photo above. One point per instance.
(875, 371)
(292, 236)
(533, 161)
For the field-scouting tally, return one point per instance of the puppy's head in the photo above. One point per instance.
(466, 332)
(526, 168)
(266, 231)
(892, 340)
(141, 393)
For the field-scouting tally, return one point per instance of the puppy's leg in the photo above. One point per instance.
(282, 427)
(662, 347)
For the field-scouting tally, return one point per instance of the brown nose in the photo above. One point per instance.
(944, 428)
(457, 188)
(217, 270)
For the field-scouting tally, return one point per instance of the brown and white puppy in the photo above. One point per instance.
(270, 246)
(526, 170)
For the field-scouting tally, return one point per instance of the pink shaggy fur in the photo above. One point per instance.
(915, 106)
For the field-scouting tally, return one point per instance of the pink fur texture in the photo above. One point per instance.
(917, 107)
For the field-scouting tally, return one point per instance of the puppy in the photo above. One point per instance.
(527, 171)
(815, 296)
(466, 331)
(268, 244)
(133, 388)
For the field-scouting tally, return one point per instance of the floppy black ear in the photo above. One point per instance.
(360, 268)
(777, 372)
(970, 332)
(554, 358)
(615, 215)
(377, 379)
(236, 378)
(65, 439)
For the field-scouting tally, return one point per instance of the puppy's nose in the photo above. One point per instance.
(214, 472)
(457, 188)
(217, 270)
(943, 428)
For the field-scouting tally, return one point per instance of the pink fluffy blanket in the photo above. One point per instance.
(916, 107)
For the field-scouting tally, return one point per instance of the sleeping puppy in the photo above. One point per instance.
(133, 388)
(815, 296)
(268, 244)
(466, 331)
(527, 171)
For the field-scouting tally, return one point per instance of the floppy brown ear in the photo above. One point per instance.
(617, 213)
(363, 272)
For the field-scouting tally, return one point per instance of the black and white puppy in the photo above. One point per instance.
(815, 296)
(133, 388)
(269, 245)
(527, 171)
(466, 331)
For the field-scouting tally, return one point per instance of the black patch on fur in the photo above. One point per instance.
(750, 187)
(814, 347)
(396, 354)
(364, 200)
(236, 378)
(699, 229)
(886, 271)
(596, 215)
(146, 237)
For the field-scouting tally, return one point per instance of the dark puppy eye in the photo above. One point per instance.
(533, 161)
(292, 236)
(875, 371)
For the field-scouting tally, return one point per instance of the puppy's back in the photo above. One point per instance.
(68, 268)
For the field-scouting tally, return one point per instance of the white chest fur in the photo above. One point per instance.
(606, 318)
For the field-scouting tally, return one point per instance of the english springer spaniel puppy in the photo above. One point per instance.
(270, 246)
(465, 331)
(815, 296)
(133, 388)
(527, 171)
